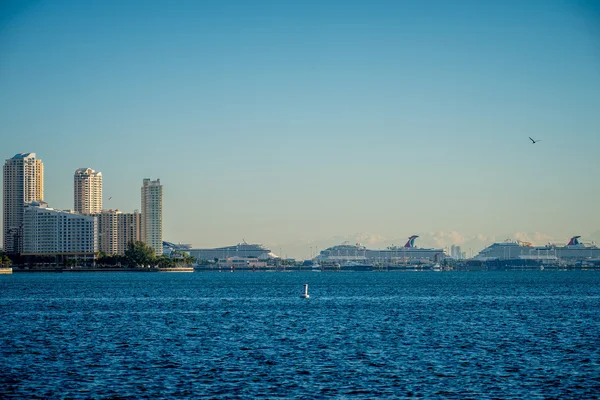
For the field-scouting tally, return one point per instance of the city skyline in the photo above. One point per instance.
(34, 229)
(291, 123)
(299, 249)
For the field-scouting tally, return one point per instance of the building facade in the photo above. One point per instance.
(117, 229)
(23, 182)
(456, 252)
(108, 234)
(87, 191)
(129, 229)
(50, 232)
(152, 215)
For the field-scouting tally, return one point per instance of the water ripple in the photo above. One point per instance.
(360, 335)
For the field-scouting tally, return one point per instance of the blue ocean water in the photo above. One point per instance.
(525, 334)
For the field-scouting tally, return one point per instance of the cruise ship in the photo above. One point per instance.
(240, 250)
(357, 254)
(510, 250)
(171, 249)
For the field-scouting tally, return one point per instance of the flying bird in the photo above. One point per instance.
(533, 141)
(110, 197)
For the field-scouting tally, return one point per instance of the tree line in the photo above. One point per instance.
(140, 254)
(136, 254)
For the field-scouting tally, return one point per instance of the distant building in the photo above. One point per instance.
(116, 229)
(23, 182)
(87, 191)
(50, 232)
(455, 252)
(152, 214)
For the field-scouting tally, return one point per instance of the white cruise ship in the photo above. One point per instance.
(240, 250)
(510, 250)
(347, 254)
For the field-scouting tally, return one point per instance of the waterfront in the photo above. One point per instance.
(246, 335)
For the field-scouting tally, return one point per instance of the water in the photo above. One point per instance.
(247, 335)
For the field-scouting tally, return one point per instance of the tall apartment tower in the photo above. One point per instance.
(152, 214)
(87, 191)
(108, 231)
(129, 229)
(23, 182)
(117, 229)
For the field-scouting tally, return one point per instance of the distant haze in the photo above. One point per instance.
(299, 124)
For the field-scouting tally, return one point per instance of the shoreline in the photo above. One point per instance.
(79, 270)
(297, 269)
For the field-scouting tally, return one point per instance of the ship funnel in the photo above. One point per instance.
(411, 241)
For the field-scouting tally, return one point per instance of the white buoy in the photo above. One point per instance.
(305, 295)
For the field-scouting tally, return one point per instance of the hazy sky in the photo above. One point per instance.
(282, 121)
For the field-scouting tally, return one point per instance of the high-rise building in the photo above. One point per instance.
(87, 191)
(152, 214)
(129, 229)
(108, 231)
(117, 229)
(56, 233)
(23, 182)
(455, 252)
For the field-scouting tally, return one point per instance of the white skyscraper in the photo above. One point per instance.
(87, 191)
(23, 182)
(152, 214)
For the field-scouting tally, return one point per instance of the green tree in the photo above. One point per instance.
(182, 258)
(110, 259)
(165, 261)
(4, 260)
(139, 253)
(188, 259)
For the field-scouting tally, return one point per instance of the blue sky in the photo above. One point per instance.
(285, 121)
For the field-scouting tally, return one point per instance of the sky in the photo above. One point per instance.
(294, 122)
